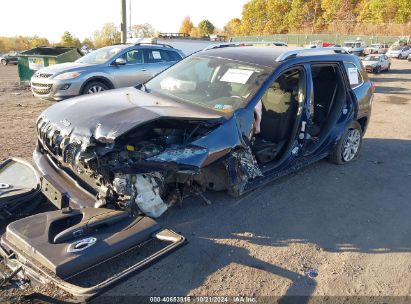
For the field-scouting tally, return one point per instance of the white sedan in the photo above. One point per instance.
(376, 63)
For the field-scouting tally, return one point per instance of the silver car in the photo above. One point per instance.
(377, 63)
(107, 68)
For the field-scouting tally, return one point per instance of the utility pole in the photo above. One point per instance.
(129, 21)
(123, 21)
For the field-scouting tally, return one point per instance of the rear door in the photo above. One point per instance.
(157, 60)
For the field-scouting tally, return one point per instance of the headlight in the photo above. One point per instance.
(374, 65)
(68, 75)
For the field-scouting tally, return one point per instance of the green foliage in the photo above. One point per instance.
(108, 35)
(69, 40)
(143, 30)
(88, 42)
(205, 28)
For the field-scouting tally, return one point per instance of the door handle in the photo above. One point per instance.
(143, 70)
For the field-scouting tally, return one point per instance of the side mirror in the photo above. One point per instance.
(120, 61)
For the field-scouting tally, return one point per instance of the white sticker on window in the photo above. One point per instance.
(237, 76)
(156, 55)
(353, 76)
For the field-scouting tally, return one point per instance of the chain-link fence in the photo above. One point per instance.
(303, 39)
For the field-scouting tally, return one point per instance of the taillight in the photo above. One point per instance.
(374, 86)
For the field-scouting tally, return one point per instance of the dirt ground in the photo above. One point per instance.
(351, 224)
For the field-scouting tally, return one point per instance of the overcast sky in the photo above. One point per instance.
(50, 18)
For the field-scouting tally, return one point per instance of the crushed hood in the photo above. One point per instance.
(107, 115)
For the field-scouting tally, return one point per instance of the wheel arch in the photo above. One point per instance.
(102, 79)
(363, 121)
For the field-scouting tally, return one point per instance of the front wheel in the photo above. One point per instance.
(4, 62)
(378, 69)
(94, 87)
(349, 146)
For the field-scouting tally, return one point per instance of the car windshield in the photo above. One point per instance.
(376, 45)
(372, 58)
(396, 48)
(100, 56)
(216, 83)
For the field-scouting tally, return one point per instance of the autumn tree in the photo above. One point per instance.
(69, 40)
(108, 35)
(233, 27)
(88, 42)
(143, 30)
(186, 26)
(205, 28)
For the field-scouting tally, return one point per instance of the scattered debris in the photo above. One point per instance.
(311, 272)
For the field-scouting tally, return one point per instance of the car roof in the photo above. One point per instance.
(143, 45)
(267, 56)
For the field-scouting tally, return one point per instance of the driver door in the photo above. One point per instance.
(133, 72)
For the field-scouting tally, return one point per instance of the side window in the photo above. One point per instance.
(133, 56)
(354, 75)
(153, 56)
(170, 55)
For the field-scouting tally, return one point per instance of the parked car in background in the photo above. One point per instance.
(8, 58)
(376, 48)
(104, 69)
(355, 47)
(377, 63)
(319, 44)
(400, 52)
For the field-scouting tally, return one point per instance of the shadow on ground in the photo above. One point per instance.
(360, 207)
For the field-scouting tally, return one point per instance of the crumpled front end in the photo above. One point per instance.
(151, 167)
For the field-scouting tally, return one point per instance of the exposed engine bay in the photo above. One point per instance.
(138, 171)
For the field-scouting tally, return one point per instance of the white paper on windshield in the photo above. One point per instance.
(237, 76)
(156, 55)
(353, 76)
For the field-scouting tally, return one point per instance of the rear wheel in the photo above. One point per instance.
(94, 87)
(4, 62)
(349, 146)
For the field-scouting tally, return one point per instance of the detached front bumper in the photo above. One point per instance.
(58, 186)
(53, 89)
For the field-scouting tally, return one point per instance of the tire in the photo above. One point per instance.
(349, 146)
(94, 87)
(389, 67)
(4, 62)
(378, 70)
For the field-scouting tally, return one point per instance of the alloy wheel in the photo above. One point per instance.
(95, 89)
(351, 145)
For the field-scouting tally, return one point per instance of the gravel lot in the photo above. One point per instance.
(350, 223)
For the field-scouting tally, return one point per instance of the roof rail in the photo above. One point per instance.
(295, 53)
(221, 45)
(149, 43)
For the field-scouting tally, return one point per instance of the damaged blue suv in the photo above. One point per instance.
(227, 118)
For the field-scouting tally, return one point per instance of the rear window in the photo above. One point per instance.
(154, 56)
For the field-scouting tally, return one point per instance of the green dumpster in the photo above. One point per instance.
(35, 59)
